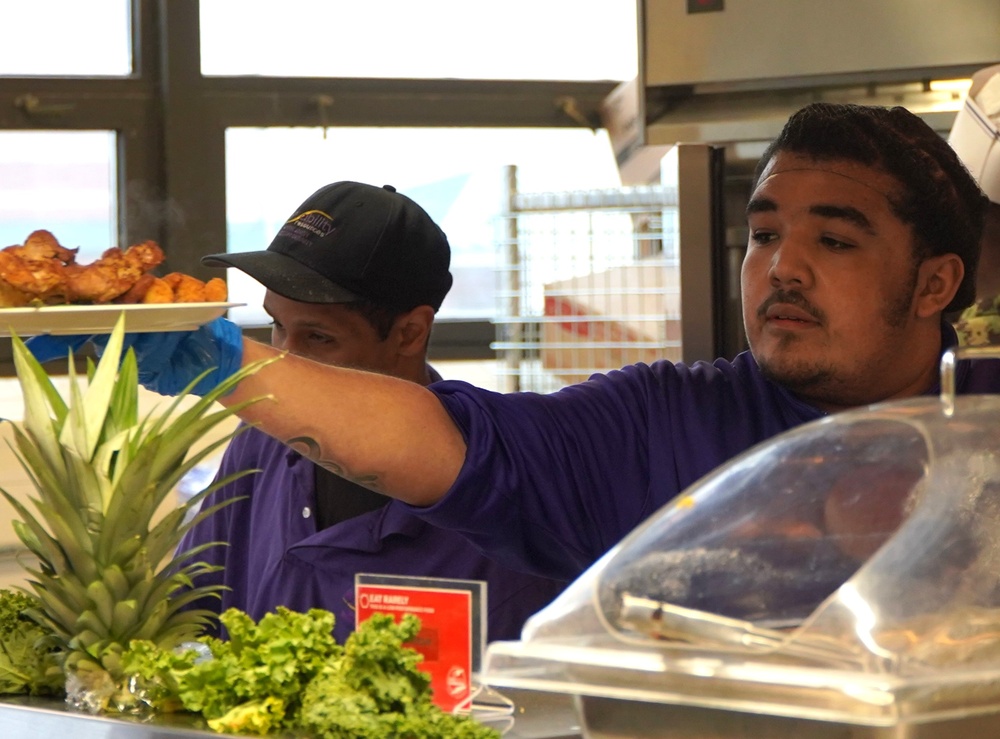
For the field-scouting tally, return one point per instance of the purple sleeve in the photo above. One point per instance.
(551, 482)
(540, 473)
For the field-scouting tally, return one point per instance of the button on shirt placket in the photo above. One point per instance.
(301, 496)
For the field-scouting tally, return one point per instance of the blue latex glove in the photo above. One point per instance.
(167, 360)
(47, 347)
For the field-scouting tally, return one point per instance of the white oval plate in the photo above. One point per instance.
(101, 319)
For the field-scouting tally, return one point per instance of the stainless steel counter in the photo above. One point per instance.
(33, 718)
(536, 716)
(542, 716)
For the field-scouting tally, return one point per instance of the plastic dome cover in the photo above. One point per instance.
(846, 569)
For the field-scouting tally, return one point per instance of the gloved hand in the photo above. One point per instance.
(47, 347)
(167, 360)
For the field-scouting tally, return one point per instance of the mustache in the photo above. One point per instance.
(789, 297)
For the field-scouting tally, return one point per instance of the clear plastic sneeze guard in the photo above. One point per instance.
(845, 573)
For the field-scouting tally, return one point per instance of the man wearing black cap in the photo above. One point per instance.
(353, 278)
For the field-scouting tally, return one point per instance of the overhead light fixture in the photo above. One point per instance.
(957, 87)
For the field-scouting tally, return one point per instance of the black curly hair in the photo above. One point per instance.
(939, 198)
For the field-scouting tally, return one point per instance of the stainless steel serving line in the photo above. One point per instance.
(536, 716)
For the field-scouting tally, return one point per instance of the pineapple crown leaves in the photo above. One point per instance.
(105, 398)
(126, 511)
(101, 474)
(111, 395)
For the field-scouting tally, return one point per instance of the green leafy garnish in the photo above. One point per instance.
(28, 663)
(287, 674)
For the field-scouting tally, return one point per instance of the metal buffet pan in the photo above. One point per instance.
(609, 718)
(841, 581)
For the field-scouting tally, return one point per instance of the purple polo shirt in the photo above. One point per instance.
(276, 556)
(552, 482)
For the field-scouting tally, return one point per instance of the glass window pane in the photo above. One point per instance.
(65, 38)
(60, 181)
(456, 174)
(463, 39)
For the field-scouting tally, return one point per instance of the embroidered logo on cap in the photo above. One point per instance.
(313, 224)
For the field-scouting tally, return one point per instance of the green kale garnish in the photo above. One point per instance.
(28, 660)
(260, 672)
(287, 674)
(376, 690)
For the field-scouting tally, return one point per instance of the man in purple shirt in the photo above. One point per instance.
(299, 533)
(864, 231)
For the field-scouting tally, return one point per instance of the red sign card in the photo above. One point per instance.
(451, 629)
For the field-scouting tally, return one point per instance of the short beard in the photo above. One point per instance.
(823, 383)
(797, 379)
(897, 309)
(800, 380)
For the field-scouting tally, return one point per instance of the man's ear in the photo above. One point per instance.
(414, 330)
(938, 280)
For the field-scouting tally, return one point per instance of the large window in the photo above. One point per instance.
(65, 38)
(61, 181)
(429, 39)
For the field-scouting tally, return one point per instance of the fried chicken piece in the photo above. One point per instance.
(42, 279)
(137, 292)
(178, 287)
(11, 297)
(216, 290)
(113, 274)
(144, 256)
(159, 292)
(35, 270)
(187, 289)
(42, 245)
(100, 282)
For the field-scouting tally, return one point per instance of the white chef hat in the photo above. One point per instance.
(975, 135)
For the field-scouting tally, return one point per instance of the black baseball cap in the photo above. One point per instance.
(350, 241)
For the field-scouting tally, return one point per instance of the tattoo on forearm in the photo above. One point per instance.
(309, 448)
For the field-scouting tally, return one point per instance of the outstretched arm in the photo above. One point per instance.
(387, 434)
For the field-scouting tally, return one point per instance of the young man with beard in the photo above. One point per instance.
(864, 230)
